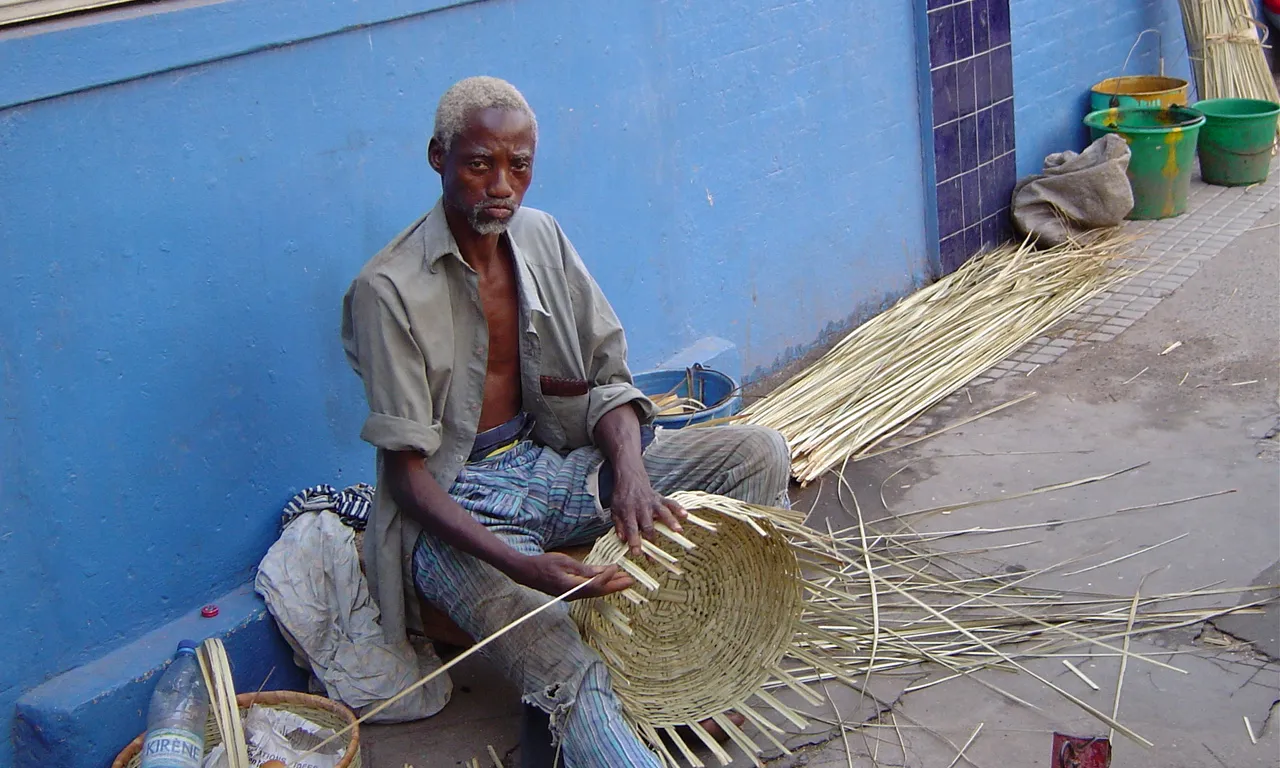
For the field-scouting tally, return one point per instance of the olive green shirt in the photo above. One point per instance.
(414, 331)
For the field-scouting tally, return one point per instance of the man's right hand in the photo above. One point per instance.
(555, 574)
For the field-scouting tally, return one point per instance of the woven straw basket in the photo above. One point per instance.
(709, 636)
(317, 709)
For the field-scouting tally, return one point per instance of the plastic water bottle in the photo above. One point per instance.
(176, 717)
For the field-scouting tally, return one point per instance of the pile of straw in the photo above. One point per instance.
(1225, 50)
(882, 603)
(890, 370)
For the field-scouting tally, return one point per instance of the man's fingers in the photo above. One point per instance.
(625, 525)
(676, 509)
(646, 522)
(668, 514)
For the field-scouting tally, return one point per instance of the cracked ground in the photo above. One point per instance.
(1099, 408)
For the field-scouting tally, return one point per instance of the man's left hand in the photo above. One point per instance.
(636, 507)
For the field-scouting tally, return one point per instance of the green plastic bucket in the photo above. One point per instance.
(1235, 143)
(1163, 147)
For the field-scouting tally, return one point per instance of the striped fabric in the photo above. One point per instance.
(535, 500)
(351, 504)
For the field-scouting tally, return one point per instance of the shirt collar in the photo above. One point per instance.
(438, 242)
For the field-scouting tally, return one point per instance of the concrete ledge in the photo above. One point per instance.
(84, 717)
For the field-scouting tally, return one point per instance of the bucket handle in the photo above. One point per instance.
(1115, 97)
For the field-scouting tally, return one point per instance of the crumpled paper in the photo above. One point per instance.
(276, 734)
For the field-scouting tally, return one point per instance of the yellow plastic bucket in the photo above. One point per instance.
(1139, 91)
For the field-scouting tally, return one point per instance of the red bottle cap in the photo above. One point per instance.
(209, 611)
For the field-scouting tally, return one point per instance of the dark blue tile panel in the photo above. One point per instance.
(966, 88)
(942, 38)
(990, 233)
(973, 239)
(986, 144)
(982, 80)
(944, 95)
(996, 182)
(969, 190)
(962, 21)
(946, 151)
(1002, 127)
(968, 143)
(953, 253)
(994, 196)
(950, 208)
(981, 25)
(1001, 73)
(998, 15)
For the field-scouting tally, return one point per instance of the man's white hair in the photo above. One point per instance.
(470, 95)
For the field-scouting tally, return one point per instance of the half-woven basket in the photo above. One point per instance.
(707, 624)
(319, 710)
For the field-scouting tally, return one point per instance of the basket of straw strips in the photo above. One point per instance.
(317, 709)
(709, 620)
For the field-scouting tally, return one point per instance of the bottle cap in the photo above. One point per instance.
(209, 611)
(188, 645)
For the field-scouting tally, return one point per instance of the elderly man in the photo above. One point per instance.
(507, 424)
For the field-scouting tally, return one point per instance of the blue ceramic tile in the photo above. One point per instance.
(972, 240)
(990, 233)
(946, 151)
(981, 26)
(1001, 73)
(944, 95)
(1002, 127)
(992, 189)
(986, 145)
(966, 87)
(1004, 227)
(950, 208)
(968, 143)
(982, 80)
(952, 252)
(962, 16)
(969, 190)
(942, 40)
(998, 15)
(998, 180)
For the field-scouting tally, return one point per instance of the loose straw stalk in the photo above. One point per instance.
(889, 371)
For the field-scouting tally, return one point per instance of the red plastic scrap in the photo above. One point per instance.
(1080, 752)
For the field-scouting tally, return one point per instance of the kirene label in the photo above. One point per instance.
(172, 748)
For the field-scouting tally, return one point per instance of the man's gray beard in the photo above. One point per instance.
(488, 226)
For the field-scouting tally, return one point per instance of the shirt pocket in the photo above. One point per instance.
(568, 400)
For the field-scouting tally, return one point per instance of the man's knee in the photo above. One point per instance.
(765, 450)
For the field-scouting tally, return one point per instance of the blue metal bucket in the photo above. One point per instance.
(718, 391)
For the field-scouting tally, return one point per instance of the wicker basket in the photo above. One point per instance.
(710, 636)
(317, 709)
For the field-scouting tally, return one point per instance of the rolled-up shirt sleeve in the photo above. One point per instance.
(603, 345)
(377, 338)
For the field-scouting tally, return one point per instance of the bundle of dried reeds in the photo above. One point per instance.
(873, 602)
(1225, 50)
(891, 369)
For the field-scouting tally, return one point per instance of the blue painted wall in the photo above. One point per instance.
(1061, 49)
(174, 247)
